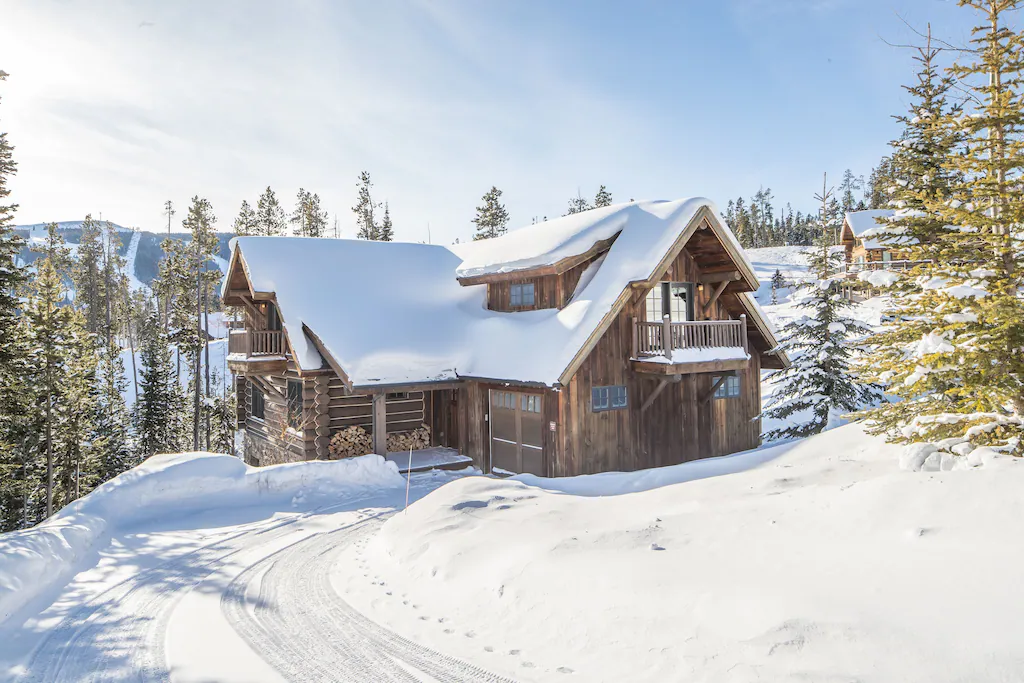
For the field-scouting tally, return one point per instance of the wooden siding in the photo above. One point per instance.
(676, 427)
(549, 291)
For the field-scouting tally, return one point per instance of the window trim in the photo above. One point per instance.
(664, 297)
(609, 397)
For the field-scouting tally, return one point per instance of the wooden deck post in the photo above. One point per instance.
(743, 330)
(666, 336)
(380, 426)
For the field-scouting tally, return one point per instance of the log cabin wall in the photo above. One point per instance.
(271, 441)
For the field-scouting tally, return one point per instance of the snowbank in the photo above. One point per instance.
(179, 484)
(817, 561)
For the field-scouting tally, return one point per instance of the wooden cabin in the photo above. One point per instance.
(620, 338)
(860, 239)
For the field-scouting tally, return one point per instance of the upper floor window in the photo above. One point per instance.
(608, 398)
(728, 387)
(674, 299)
(273, 317)
(521, 295)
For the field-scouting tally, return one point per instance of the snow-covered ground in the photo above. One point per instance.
(818, 560)
(814, 561)
(185, 567)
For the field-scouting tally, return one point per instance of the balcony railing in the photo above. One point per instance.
(649, 337)
(251, 343)
(901, 264)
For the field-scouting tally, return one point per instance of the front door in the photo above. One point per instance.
(517, 432)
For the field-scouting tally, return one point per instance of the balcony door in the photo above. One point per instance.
(674, 299)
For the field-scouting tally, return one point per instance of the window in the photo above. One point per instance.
(256, 406)
(273, 318)
(294, 403)
(674, 299)
(729, 387)
(398, 396)
(521, 295)
(608, 398)
(529, 404)
(503, 399)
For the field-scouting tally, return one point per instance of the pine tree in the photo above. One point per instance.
(75, 448)
(367, 228)
(16, 387)
(955, 356)
(819, 387)
(316, 217)
(778, 282)
(270, 220)
(202, 248)
(881, 180)
(386, 233)
(115, 449)
(158, 408)
(49, 324)
(603, 197)
(578, 204)
(491, 217)
(246, 222)
(847, 187)
(86, 274)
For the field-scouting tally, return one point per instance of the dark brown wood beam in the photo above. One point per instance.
(266, 387)
(725, 276)
(714, 387)
(657, 390)
(719, 288)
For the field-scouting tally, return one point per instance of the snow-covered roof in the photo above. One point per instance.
(395, 313)
(541, 244)
(863, 221)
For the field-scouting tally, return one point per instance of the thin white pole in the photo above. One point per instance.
(408, 481)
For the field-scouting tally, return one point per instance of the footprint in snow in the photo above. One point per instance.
(470, 634)
(564, 670)
(513, 652)
(488, 648)
(449, 630)
(528, 665)
(655, 546)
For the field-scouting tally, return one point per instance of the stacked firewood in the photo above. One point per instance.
(353, 441)
(350, 442)
(414, 440)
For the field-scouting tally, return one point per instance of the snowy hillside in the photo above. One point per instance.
(820, 562)
(140, 249)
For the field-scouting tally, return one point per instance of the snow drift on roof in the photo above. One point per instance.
(862, 221)
(395, 313)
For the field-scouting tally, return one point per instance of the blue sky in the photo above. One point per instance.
(115, 107)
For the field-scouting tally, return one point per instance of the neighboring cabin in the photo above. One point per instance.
(619, 338)
(859, 236)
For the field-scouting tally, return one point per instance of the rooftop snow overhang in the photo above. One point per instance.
(556, 268)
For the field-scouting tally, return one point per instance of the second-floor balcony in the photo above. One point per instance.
(256, 351)
(674, 348)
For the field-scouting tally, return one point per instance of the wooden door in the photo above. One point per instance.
(517, 432)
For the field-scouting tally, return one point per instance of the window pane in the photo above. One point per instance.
(618, 397)
(528, 294)
(294, 403)
(654, 304)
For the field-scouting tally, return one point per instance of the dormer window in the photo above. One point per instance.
(521, 296)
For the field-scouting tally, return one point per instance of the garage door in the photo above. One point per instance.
(517, 432)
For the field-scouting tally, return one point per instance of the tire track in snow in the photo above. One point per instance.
(305, 630)
(134, 647)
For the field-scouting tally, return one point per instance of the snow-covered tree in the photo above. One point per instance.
(819, 387)
(778, 282)
(491, 218)
(158, 408)
(956, 357)
(603, 197)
